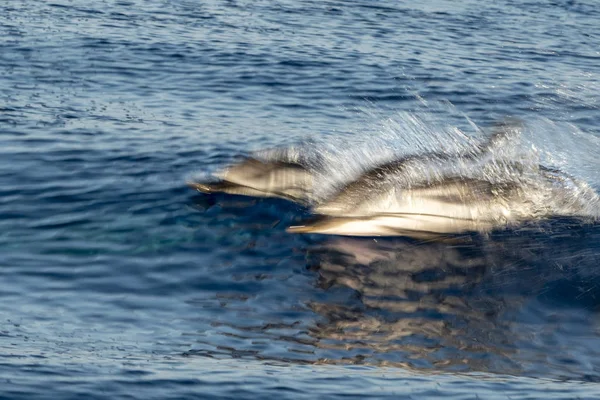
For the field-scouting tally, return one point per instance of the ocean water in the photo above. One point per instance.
(118, 281)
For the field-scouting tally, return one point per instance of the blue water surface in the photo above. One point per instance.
(116, 280)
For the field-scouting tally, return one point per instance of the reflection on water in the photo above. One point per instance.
(512, 302)
(471, 304)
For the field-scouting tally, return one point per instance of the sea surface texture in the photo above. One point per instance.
(119, 281)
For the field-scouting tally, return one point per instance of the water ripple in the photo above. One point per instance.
(118, 281)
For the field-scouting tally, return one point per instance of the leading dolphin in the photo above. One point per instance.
(450, 205)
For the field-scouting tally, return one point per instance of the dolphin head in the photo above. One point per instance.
(257, 178)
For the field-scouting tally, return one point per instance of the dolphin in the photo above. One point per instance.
(400, 173)
(420, 195)
(449, 205)
(453, 205)
(292, 178)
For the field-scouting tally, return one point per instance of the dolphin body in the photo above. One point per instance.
(449, 206)
(397, 198)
